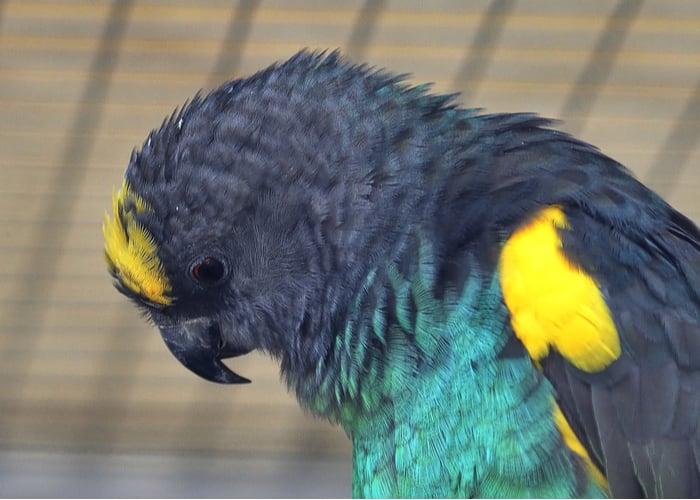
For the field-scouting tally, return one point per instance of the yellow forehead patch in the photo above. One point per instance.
(552, 302)
(130, 250)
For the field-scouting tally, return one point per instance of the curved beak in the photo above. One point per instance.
(197, 344)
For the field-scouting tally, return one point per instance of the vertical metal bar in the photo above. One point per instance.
(673, 155)
(366, 23)
(231, 52)
(597, 69)
(480, 50)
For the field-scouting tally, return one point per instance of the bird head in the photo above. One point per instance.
(253, 214)
(219, 270)
(215, 232)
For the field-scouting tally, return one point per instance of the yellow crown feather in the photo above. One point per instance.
(130, 250)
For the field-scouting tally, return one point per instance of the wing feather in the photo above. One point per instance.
(637, 412)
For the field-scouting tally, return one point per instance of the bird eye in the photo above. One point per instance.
(208, 271)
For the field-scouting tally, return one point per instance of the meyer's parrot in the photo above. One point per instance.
(489, 307)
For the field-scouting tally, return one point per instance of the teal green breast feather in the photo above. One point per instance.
(444, 414)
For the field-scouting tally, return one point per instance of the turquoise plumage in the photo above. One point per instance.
(423, 418)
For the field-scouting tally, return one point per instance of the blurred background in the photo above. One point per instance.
(91, 402)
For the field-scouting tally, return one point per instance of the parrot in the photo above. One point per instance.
(488, 306)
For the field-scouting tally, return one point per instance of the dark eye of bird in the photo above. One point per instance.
(208, 271)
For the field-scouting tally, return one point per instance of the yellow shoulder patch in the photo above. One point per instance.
(130, 251)
(552, 302)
